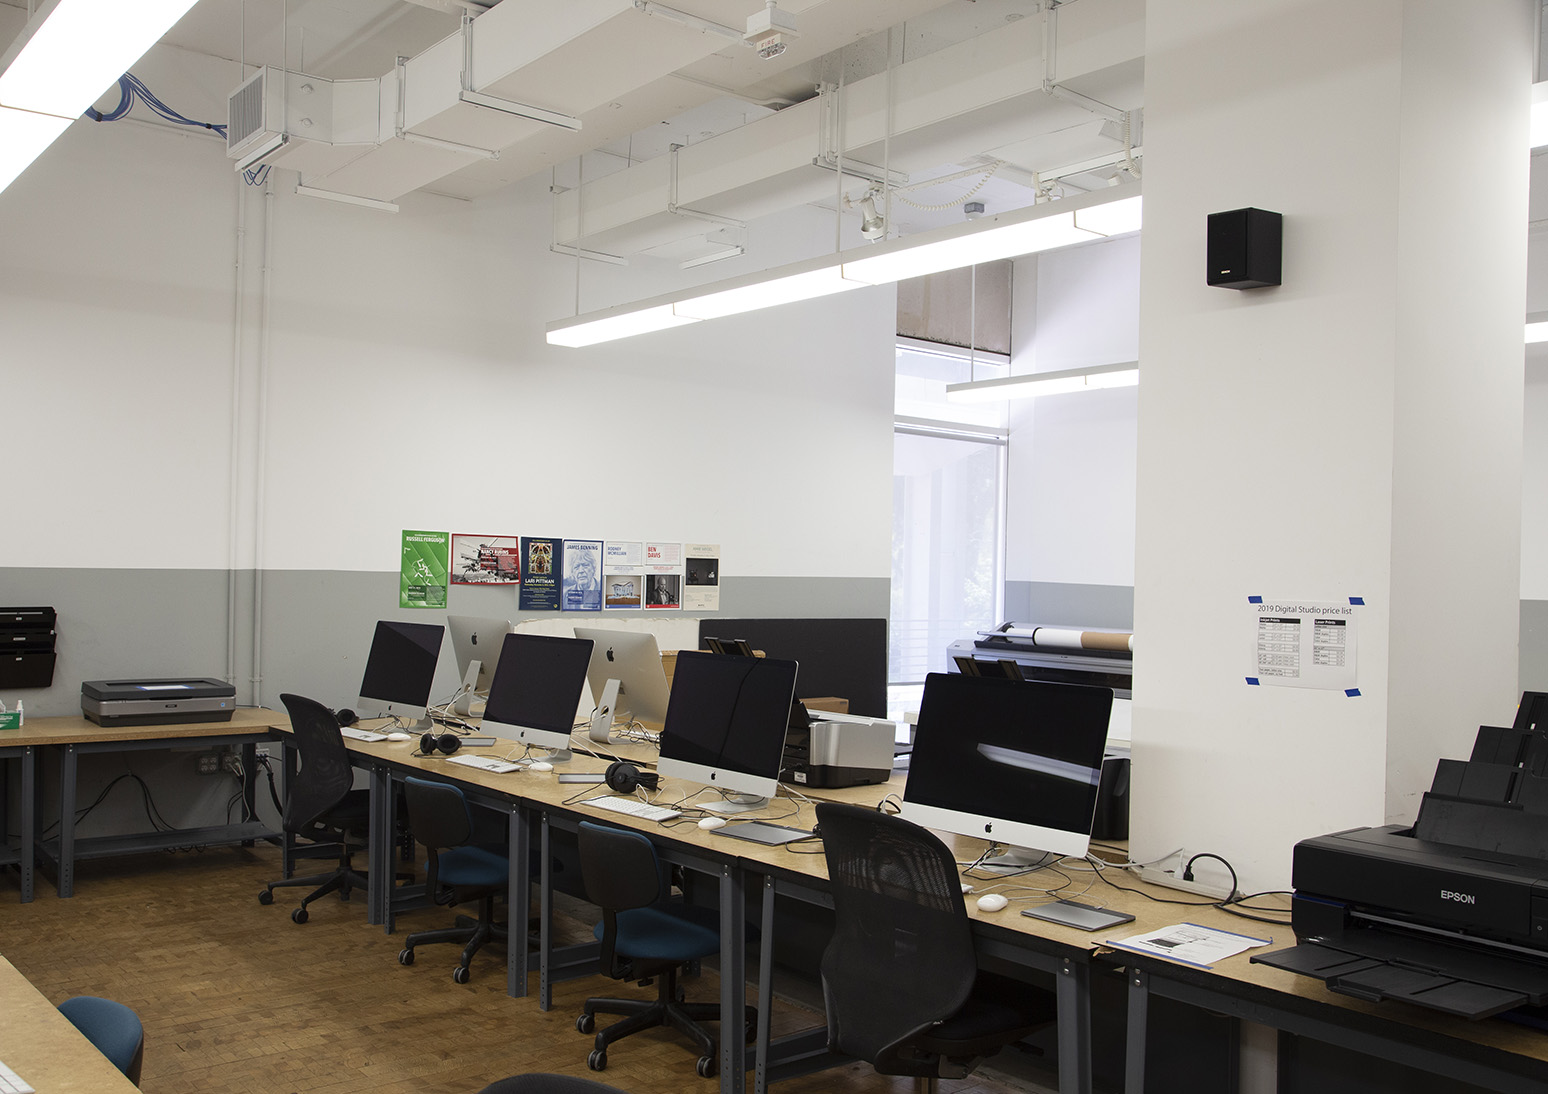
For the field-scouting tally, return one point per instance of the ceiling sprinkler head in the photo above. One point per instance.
(768, 29)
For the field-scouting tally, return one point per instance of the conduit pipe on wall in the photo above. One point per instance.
(261, 435)
(235, 450)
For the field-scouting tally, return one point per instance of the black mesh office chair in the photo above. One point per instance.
(900, 980)
(320, 805)
(643, 936)
(455, 871)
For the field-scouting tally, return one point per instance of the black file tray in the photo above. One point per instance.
(1378, 965)
(26, 648)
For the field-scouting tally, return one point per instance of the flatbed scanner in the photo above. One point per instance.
(166, 701)
(1449, 914)
(833, 750)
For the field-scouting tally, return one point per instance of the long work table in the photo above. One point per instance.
(42, 1047)
(72, 737)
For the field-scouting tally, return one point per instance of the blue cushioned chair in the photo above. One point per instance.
(548, 1084)
(455, 871)
(113, 1028)
(643, 936)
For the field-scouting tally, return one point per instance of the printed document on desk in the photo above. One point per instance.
(1190, 944)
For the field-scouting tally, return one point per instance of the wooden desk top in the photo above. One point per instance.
(40, 1044)
(78, 730)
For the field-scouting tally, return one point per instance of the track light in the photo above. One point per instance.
(872, 226)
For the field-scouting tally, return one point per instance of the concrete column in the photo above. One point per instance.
(1354, 432)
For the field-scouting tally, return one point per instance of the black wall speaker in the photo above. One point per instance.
(1245, 248)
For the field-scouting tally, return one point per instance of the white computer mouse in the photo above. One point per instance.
(400, 736)
(991, 902)
(709, 823)
(540, 765)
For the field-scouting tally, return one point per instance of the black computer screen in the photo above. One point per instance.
(401, 666)
(1018, 751)
(538, 682)
(729, 712)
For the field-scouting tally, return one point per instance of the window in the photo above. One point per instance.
(948, 514)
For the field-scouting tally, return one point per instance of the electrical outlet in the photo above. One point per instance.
(209, 763)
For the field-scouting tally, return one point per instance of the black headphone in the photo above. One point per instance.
(345, 717)
(433, 742)
(625, 778)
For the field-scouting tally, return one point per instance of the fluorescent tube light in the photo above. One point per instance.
(80, 48)
(1535, 332)
(766, 294)
(1539, 128)
(23, 137)
(1082, 219)
(608, 326)
(1032, 384)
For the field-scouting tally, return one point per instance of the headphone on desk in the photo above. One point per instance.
(345, 717)
(433, 742)
(625, 778)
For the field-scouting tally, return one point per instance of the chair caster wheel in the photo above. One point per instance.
(405, 957)
(705, 1066)
(266, 898)
(460, 974)
(586, 1023)
(299, 916)
(597, 1060)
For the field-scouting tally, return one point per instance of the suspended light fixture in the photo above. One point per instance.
(1032, 384)
(1082, 219)
(67, 55)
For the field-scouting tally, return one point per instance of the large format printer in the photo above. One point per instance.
(1452, 913)
(1064, 655)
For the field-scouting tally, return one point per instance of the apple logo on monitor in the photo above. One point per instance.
(610, 653)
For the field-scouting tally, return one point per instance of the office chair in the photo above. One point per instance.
(643, 936)
(113, 1028)
(900, 980)
(455, 871)
(548, 1084)
(320, 805)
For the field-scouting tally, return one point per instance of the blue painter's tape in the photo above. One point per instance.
(1255, 600)
(1253, 680)
(1357, 600)
(1353, 693)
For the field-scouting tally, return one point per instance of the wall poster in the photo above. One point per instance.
(542, 561)
(423, 573)
(701, 577)
(581, 590)
(486, 560)
(1305, 644)
(623, 569)
(664, 576)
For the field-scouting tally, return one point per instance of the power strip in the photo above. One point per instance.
(1175, 881)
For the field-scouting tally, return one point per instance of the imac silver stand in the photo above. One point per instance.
(737, 803)
(602, 716)
(464, 702)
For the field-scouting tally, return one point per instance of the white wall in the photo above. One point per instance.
(1071, 475)
(408, 383)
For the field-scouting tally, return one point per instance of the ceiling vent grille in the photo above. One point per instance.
(244, 112)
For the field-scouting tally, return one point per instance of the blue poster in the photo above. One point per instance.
(541, 559)
(582, 588)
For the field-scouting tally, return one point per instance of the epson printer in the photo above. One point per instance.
(828, 750)
(1452, 913)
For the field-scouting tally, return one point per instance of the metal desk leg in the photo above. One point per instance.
(1073, 992)
(765, 987)
(291, 766)
(733, 981)
(518, 899)
(545, 918)
(68, 765)
(249, 785)
(1139, 1013)
(383, 843)
(29, 820)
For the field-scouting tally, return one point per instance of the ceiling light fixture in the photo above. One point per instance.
(1539, 127)
(1536, 328)
(1033, 384)
(67, 55)
(1086, 218)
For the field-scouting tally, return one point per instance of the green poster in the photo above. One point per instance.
(425, 562)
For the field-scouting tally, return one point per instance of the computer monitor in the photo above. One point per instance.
(626, 678)
(1017, 762)
(725, 725)
(476, 642)
(401, 669)
(536, 690)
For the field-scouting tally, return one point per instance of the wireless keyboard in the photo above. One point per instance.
(12, 1083)
(357, 735)
(635, 808)
(484, 763)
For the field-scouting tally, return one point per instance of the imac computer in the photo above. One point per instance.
(725, 725)
(400, 670)
(536, 690)
(626, 678)
(476, 642)
(1016, 762)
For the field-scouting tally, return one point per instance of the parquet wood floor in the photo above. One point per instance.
(236, 999)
